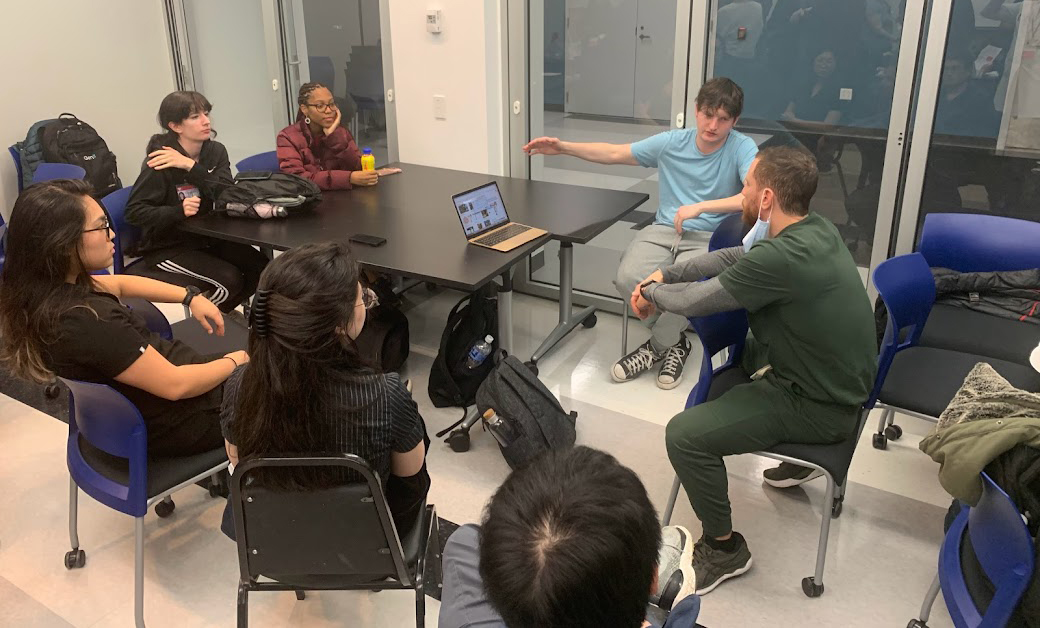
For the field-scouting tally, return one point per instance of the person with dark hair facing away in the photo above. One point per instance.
(318, 147)
(569, 541)
(58, 319)
(699, 174)
(812, 357)
(307, 390)
(183, 175)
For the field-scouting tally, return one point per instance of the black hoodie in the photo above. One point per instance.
(155, 206)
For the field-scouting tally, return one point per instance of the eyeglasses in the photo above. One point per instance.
(322, 106)
(369, 298)
(105, 227)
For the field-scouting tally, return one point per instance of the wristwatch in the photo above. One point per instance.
(192, 292)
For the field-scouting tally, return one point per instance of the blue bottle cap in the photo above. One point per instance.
(367, 151)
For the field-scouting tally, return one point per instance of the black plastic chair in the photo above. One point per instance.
(339, 538)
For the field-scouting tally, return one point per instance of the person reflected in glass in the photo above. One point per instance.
(319, 147)
(816, 109)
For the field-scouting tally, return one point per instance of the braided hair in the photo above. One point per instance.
(306, 89)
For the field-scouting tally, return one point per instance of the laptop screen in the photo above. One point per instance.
(480, 209)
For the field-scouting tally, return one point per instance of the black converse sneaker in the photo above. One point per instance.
(635, 363)
(674, 361)
(713, 566)
(788, 474)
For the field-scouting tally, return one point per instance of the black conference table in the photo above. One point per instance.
(424, 239)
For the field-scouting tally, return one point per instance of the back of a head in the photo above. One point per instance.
(720, 93)
(792, 174)
(570, 540)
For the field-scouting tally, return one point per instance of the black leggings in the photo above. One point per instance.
(228, 272)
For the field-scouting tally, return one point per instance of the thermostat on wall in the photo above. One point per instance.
(433, 20)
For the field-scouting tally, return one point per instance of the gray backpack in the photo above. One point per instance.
(534, 419)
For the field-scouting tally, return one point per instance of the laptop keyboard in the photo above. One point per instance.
(502, 235)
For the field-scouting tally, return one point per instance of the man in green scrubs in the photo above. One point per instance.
(811, 354)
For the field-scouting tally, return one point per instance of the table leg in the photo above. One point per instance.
(505, 312)
(568, 321)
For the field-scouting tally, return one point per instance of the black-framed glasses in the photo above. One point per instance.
(104, 227)
(322, 106)
(369, 298)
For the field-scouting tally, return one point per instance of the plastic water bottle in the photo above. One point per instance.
(500, 428)
(479, 353)
(368, 160)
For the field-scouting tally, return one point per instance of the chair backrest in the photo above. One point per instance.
(906, 286)
(730, 232)
(341, 531)
(48, 171)
(977, 242)
(17, 157)
(126, 234)
(110, 422)
(725, 330)
(323, 71)
(267, 162)
(1003, 546)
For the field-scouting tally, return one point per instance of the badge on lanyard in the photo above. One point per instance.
(187, 190)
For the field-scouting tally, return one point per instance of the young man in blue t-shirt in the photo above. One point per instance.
(700, 174)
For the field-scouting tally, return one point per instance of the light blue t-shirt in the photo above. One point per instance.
(686, 175)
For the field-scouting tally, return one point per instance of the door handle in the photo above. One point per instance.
(642, 36)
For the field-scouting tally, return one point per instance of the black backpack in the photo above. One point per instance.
(285, 192)
(384, 339)
(535, 420)
(69, 140)
(473, 317)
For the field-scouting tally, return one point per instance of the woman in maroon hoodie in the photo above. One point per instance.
(319, 148)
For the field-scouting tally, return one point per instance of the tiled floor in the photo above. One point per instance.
(882, 557)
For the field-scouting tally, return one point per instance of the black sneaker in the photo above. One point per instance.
(675, 577)
(712, 567)
(636, 363)
(674, 361)
(788, 474)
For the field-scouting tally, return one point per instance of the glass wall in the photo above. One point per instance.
(602, 71)
(985, 139)
(819, 74)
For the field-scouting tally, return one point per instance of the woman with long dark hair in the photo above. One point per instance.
(182, 176)
(58, 319)
(307, 390)
(318, 147)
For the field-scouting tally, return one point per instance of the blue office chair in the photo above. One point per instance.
(1003, 546)
(3, 242)
(922, 380)
(108, 459)
(728, 331)
(48, 171)
(729, 233)
(265, 162)
(16, 156)
(979, 242)
(125, 233)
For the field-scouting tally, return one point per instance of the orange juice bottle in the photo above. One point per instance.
(368, 160)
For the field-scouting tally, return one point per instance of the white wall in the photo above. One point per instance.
(108, 65)
(465, 64)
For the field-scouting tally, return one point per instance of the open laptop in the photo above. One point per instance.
(486, 223)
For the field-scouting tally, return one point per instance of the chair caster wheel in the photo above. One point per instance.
(218, 490)
(880, 441)
(52, 391)
(74, 559)
(836, 507)
(300, 595)
(916, 623)
(589, 322)
(164, 509)
(531, 364)
(810, 588)
(893, 432)
(458, 440)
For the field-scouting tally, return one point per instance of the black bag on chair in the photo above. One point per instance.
(384, 338)
(473, 317)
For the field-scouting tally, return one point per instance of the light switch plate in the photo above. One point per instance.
(845, 93)
(440, 107)
(433, 21)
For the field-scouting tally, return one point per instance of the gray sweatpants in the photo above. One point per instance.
(649, 250)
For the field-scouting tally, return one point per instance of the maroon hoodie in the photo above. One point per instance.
(327, 160)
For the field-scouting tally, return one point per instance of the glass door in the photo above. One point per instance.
(976, 142)
(835, 78)
(345, 45)
(597, 71)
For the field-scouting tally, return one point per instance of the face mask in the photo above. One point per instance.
(759, 232)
